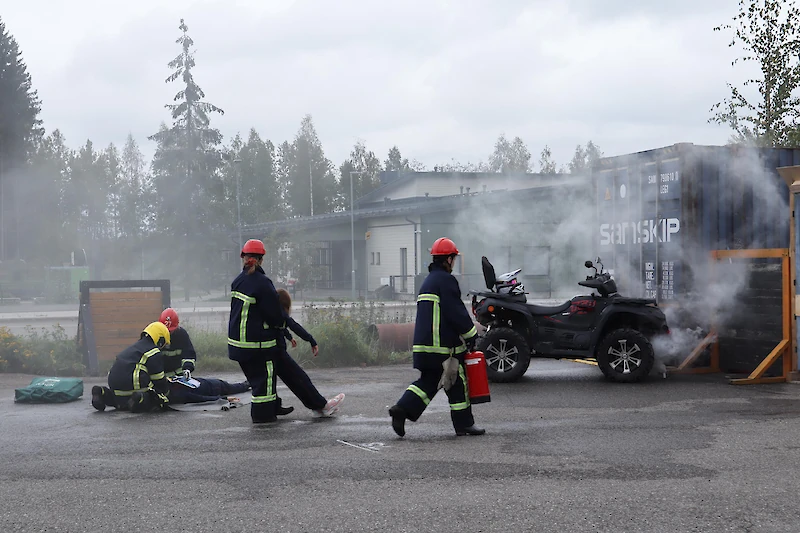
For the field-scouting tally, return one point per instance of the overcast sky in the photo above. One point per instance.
(440, 79)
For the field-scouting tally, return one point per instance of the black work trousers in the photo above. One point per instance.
(297, 380)
(149, 401)
(259, 369)
(209, 390)
(420, 393)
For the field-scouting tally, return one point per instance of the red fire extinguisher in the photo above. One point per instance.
(477, 380)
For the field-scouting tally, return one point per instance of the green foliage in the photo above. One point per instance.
(510, 156)
(395, 161)
(768, 32)
(41, 351)
(364, 168)
(20, 131)
(186, 173)
(344, 342)
(19, 104)
(585, 158)
(305, 172)
(546, 163)
(212, 352)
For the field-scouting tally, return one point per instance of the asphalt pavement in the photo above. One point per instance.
(564, 451)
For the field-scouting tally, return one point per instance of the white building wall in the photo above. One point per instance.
(386, 237)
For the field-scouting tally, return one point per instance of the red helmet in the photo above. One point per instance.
(169, 318)
(253, 246)
(444, 246)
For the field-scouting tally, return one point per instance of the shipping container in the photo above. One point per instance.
(661, 212)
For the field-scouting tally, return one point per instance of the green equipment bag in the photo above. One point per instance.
(50, 390)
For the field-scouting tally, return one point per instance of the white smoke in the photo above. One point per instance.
(749, 194)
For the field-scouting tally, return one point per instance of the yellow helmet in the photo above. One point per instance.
(158, 332)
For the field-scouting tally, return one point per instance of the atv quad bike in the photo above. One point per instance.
(614, 330)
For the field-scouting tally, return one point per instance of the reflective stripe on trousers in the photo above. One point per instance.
(270, 395)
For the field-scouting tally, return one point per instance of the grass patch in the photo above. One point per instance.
(341, 329)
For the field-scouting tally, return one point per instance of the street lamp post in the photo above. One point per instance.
(236, 162)
(352, 240)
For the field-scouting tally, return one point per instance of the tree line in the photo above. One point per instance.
(173, 216)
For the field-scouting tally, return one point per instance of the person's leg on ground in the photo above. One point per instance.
(460, 407)
(299, 383)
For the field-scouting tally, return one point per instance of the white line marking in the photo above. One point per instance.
(357, 446)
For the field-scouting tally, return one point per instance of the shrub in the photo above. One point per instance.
(41, 351)
(212, 352)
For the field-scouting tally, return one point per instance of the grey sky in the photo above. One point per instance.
(439, 78)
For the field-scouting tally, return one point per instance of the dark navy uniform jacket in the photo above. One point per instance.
(256, 315)
(442, 320)
(299, 330)
(138, 368)
(181, 355)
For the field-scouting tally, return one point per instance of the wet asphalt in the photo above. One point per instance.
(564, 451)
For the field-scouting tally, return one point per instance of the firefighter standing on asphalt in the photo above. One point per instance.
(255, 322)
(441, 324)
(181, 356)
(136, 381)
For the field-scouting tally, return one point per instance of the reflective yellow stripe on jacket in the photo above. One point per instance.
(247, 301)
(437, 320)
(141, 366)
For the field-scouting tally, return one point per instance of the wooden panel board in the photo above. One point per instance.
(140, 317)
(96, 296)
(119, 318)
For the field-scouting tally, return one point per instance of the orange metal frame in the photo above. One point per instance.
(785, 347)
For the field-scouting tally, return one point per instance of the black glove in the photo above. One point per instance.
(188, 365)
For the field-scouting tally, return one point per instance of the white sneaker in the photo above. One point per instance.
(332, 406)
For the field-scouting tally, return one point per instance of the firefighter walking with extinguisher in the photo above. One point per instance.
(443, 334)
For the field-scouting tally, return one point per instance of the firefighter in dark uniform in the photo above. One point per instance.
(136, 381)
(181, 356)
(441, 324)
(255, 322)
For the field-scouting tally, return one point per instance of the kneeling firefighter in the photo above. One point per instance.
(441, 324)
(136, 381)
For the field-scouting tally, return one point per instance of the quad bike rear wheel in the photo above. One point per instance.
(625, 355)
(507, 354)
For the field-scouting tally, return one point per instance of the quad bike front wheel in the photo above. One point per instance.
(507, 354)
(625, 355)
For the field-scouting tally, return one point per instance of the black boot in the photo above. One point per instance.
(283, 411)
(398, 415)
(97, 398)
(137, 403)
(472, 430)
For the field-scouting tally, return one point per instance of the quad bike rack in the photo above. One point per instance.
(784, 348)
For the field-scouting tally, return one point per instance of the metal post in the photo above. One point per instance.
(311, 180)
(352, 241)
(238, 201)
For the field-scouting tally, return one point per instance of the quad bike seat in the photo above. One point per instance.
(548, 310)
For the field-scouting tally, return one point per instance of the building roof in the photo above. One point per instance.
(413, 206)
(393, 179)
